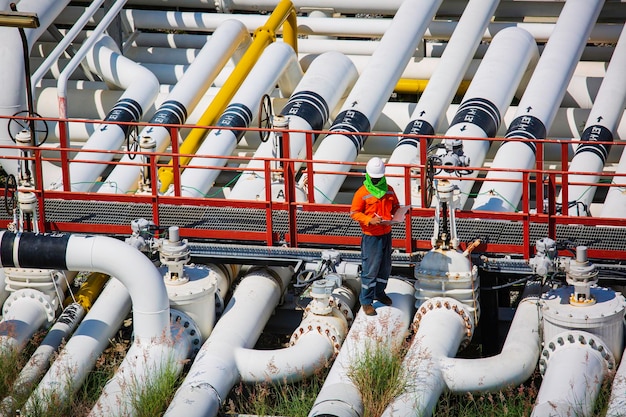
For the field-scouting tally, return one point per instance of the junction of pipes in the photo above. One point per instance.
(188, 166)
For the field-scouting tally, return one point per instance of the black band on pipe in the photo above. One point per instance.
(527, 127)
(125, 110)
(352, 121)
(310, 106)
(416, 127)
(34, 250)
(480, 112)
(236, 115)
(595, 133)
(171, 112)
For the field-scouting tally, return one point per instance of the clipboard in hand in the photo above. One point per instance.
(398, 216)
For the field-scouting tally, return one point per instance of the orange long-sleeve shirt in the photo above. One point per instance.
(365, 206)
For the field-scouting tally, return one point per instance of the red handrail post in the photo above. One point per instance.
(539, 179)
(269, 206)
(309, 168)
(175, 160)
(552, 206)
(564, 179)
(526, 212)
(65, 160)
(290, 189)
(408, 227)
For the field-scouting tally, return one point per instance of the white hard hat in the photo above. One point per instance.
(375, 168)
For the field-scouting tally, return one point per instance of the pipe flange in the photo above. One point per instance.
(183, 325)
(449, 304)
(338, 305)
(29, 294)
(575, 338)
(322, 327)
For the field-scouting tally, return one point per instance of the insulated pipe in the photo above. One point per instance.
(143, 282)
(617, 401)
(576, 363)
(12, 73)
(274, 61)
(538, 106)
(263, 36)
(342, 27)
(369, 95)
(615, 201)
(441, 88)
(511, 55)
(214, 372)
(511, 367)
(602, 122)
(141, 89)
(313, 345)
(328, 78)
(43, 356)
(339, 396)
(79, 355)
(229, 36)
(441, 331)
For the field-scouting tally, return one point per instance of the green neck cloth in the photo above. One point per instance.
(377, 190)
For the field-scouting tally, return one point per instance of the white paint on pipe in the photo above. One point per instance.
(441, 88)
(573, 378)
(24, 312)
(512, 54)
(602, 122)
(328, 78)
(185, 96)
(439, 335)
(511, 367)
(615, 200)
(617, 401)
(141, 89)
(341, 27)
(213, 373)
(368, 96)
(79, 355)
(387, 330)
(538, 106)
(275, 60)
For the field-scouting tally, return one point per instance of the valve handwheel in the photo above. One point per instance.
(40, 127)
(265, 117)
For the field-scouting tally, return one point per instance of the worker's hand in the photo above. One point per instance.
(375, 220)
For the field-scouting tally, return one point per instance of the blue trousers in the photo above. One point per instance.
(375, 267)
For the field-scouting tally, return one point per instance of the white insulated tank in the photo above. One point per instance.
(604, 318)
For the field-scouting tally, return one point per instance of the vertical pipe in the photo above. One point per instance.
(441, 87)
(369, 95)
(538, 106)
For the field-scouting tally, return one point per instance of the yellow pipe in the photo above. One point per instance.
(89, 291)
(263, 36)
(407, 86)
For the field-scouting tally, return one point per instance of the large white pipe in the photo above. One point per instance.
(602, 122)
(214, 372)
(369, 95)
(512, 54)
(24, 312)
(230, 36)
(511, 367)
(538, 106)
(313, 344)
(341, 27)
(577, 364)
(328, 78)
(439, 335)
(141, 89)
(615, 201)
(198, 179)
(93, 253)
(617, 401)
(387, 331)
(441, 88)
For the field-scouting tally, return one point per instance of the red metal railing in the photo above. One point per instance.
(531, 205)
